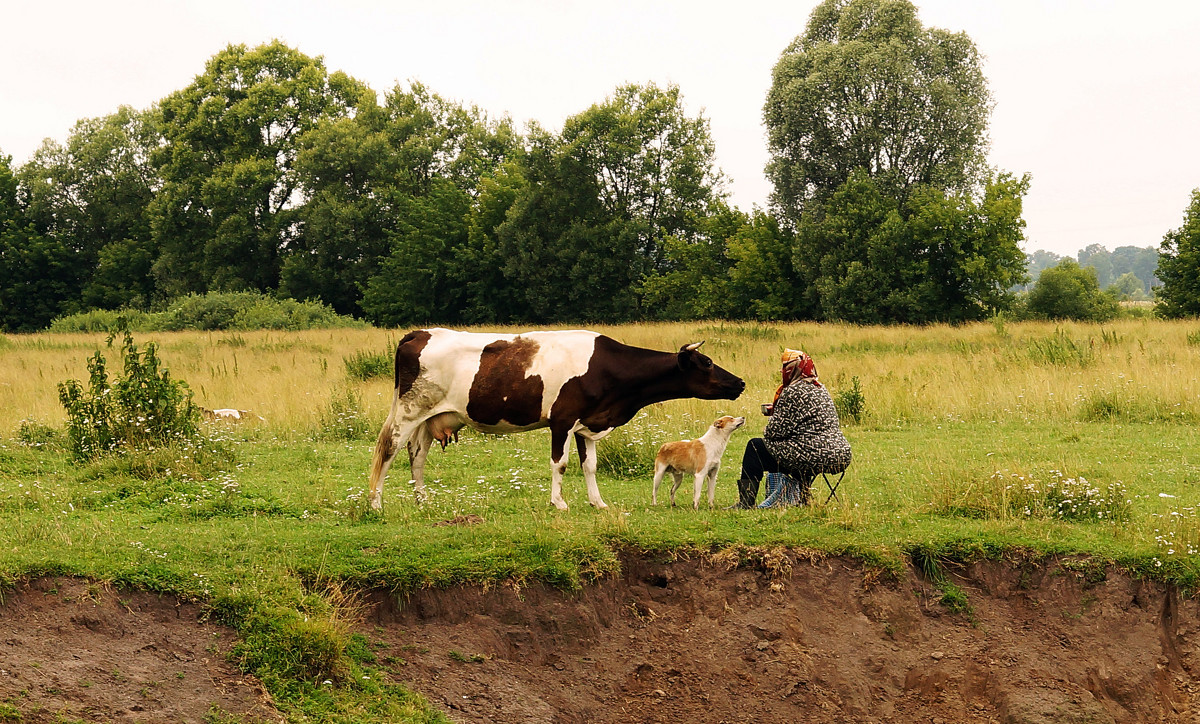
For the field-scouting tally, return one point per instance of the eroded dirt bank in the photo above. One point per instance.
(788, 640)
(812, 641)
(72, 650)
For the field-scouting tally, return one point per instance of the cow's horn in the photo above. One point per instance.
(693, 346)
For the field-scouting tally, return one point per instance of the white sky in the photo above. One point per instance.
(1098, 100)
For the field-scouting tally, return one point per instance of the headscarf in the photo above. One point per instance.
(797, 366)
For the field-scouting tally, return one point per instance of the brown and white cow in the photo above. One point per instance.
(575, 382)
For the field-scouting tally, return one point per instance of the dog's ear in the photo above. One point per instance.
(720, 423)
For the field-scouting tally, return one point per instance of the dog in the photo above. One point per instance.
(701, 458)
(228, 414)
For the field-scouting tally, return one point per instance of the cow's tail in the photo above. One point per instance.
(385, 450)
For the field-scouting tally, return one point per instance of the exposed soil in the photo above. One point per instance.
(791, 639)
(804, 641)
(72, 650)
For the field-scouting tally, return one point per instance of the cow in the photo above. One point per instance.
(578, 383)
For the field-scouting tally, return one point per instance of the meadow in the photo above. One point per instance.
(986, 440)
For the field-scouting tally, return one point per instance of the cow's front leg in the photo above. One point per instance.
(559, 451)
(587, 461)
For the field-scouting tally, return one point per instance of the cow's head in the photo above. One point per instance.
(704, 379)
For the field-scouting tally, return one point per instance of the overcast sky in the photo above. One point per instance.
(1098, 101)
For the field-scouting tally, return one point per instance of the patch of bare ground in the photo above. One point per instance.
(72, 650)
(801, 640)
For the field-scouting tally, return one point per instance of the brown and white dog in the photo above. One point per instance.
(700, 458)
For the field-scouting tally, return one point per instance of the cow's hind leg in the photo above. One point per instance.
(419, 446)
(559, 451)
(587, 461)
(386, 446)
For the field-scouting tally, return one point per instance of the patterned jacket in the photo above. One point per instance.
(803, 433)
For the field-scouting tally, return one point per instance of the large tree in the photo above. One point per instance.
(868, 87)
(603, 202)
(935, 257)
(228, 204)
(92, 195)
(371, 183)
(39, 276)
(1179, 266)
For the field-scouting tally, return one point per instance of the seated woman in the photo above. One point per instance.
(802, 439)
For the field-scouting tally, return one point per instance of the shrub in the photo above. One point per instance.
(851, 404)
(368, 365)
(1068, 291)
(626, 453)
(1066, 498)
(32, 433)
(101, 320)
(1060, 350)
(343, 418)
(212, 311)
(142, 409)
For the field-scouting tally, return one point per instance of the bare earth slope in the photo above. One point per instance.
(71, 650)
(789, 640)
(814, 641)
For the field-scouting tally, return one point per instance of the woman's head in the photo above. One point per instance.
(798, 366)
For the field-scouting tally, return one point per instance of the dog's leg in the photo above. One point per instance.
(678, 476)
(659, 469)
(712, 483)
(700, 477)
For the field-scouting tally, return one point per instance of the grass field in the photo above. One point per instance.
(971, 441)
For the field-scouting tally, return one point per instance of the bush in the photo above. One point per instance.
(1066, 498)
(852, 403)
(209, 312)
(143, 409)
(368, 365)
(1069, 291)
(343, 418)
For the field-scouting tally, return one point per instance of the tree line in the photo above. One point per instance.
(271, 174)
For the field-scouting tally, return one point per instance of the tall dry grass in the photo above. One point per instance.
(1132, 370)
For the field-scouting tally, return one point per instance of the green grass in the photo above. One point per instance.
(269, 526)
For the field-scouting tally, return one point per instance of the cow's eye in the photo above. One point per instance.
(706, 363)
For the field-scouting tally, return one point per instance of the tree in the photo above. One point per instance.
(764, 282)
(365, 176)
(39, 277)
(1142, 262)
(228, 205)
(602, 204)
(93, 195)
(935, 257)
(1036, 262)
(697, 282)
(867, 87)
(1069, 291)
(1179, 266)
(1099, 258)
(1128, 287)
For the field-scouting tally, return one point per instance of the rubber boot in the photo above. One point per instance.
(747, 494)
(776, 483)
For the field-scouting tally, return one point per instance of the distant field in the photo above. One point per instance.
(972, 441)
